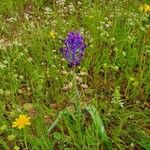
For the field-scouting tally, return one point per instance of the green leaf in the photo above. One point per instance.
(99, 125)
(57, 136)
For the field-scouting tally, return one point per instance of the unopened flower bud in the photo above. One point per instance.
(64, 72)
(79, 79)
(68, 86)
(83, 73)
(84, 86)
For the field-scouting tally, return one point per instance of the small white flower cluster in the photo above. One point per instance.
(71, 8)
(61, 2)
(12, 19)
(47, 11)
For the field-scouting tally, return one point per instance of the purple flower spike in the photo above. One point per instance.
(73, 49)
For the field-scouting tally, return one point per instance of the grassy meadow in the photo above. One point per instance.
(102, 104)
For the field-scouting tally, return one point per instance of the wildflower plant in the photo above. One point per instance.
(73, 52)
(21, 122)
(145, 8)
(53, 34)
(116, 98)
(74, 49)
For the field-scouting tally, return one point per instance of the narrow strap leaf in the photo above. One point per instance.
(99, 125)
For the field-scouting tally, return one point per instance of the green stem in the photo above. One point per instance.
(76, 94)
(25, 140)
(55, 122)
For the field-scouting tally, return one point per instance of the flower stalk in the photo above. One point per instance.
(76, 97)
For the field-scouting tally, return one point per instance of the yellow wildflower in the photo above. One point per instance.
(52, 34)
(21, 121)
(145, 8)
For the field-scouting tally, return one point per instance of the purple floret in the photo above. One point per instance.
(73, 49)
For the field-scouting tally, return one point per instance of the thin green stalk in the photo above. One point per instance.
(25, 139)
(55, 122)
(76, 94)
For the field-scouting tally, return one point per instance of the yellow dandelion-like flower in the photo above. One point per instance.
(145, 8)
(52, 34)
(21, 121)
